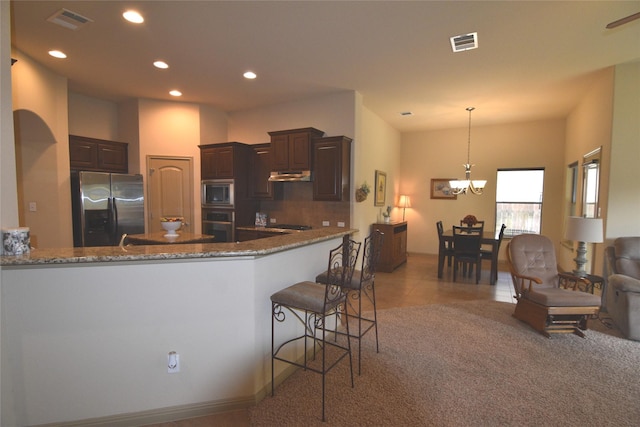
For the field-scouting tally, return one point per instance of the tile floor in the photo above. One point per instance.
(414, 283)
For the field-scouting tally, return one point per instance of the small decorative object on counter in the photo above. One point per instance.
(387, 215)
(16, 241)
(362, 192)
(261, 219)
(470, 220)
(171, 224)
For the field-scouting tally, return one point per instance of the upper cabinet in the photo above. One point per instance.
(225, 160)
(291, 149)
(259, 170)
(332, 163)
(90, 154)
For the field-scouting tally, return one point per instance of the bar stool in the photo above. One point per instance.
(362, 287)
(317, 307)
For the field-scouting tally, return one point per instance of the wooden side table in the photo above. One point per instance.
(394, 246)
(594, 282)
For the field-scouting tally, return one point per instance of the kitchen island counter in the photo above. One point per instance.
(183, 251)
(107, 317)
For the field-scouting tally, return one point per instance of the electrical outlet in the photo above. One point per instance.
(340, 224)
(173, 362)
(33, 207)
(272, 220)
(325, 223)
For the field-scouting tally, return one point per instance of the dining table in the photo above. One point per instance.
(489, 238)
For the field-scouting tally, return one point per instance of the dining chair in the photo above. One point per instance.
(466, 249)
(317, 308)
(493, 251)
(477, 224)
(444, 246)
(362, 288)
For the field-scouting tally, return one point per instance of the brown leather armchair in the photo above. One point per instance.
(542, 303)
(622, 296)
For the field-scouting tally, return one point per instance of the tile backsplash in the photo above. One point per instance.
(298, 207)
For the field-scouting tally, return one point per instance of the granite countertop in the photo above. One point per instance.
(162, 238)
(258, 247)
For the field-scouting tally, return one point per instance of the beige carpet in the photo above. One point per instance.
(470, 364)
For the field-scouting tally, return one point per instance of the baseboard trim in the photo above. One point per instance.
(161, 415)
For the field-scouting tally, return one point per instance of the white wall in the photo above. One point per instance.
(441, 154)
(624, 193)
(379, 149)
(40, 105)
(93, 117)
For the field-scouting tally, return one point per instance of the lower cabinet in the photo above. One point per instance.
(242, 235)
(394, 246)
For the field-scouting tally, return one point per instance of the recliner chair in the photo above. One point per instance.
(622, 299)
(542, 303)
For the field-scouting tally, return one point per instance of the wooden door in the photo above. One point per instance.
(169, 191)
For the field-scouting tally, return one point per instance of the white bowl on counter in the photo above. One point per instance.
(171, 227)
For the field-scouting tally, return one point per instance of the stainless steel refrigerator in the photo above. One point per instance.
(105, 206)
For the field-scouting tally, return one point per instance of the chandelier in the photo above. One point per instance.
(461, 186)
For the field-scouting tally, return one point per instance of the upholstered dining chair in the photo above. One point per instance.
(466, 250)
(317, 307)
(542, 303)
(362, 288)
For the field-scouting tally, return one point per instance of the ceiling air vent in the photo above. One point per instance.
(69, 19)
(464, 42)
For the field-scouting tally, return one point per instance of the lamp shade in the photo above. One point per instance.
(588, 230)
(404, 201)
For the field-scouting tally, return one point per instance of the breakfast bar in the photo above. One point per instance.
(86, 331)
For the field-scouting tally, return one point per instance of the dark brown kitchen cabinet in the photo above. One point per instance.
(331, 168)
(259, 171)
(394, 245)
(91, 154)
(291, 149)
(224, 160)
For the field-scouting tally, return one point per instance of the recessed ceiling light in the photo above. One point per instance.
(133, 16)
(161, 64)
(57, 54)
(250, 75)
(175, 93)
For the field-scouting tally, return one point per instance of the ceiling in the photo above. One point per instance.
(534, 61)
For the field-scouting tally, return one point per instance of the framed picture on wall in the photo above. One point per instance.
(381, 188)
(440, 189)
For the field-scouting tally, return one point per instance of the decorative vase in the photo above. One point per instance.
(387, 219)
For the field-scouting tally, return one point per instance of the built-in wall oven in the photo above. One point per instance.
(219, 223)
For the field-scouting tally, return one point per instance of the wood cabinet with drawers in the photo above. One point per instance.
(291, 149)
(394, 246)
(91, 154)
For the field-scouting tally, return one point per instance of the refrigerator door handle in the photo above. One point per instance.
(113, 218)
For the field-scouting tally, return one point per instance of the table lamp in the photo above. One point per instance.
(583, 230)
(404, 202)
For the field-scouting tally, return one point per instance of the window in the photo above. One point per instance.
(519, 200)
(591, 167)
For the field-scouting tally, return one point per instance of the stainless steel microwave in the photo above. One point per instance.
(217, 192)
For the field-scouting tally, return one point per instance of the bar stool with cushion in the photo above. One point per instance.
(317, 307)
(362, 288)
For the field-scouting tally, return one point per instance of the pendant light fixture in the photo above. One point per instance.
(461, 186)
